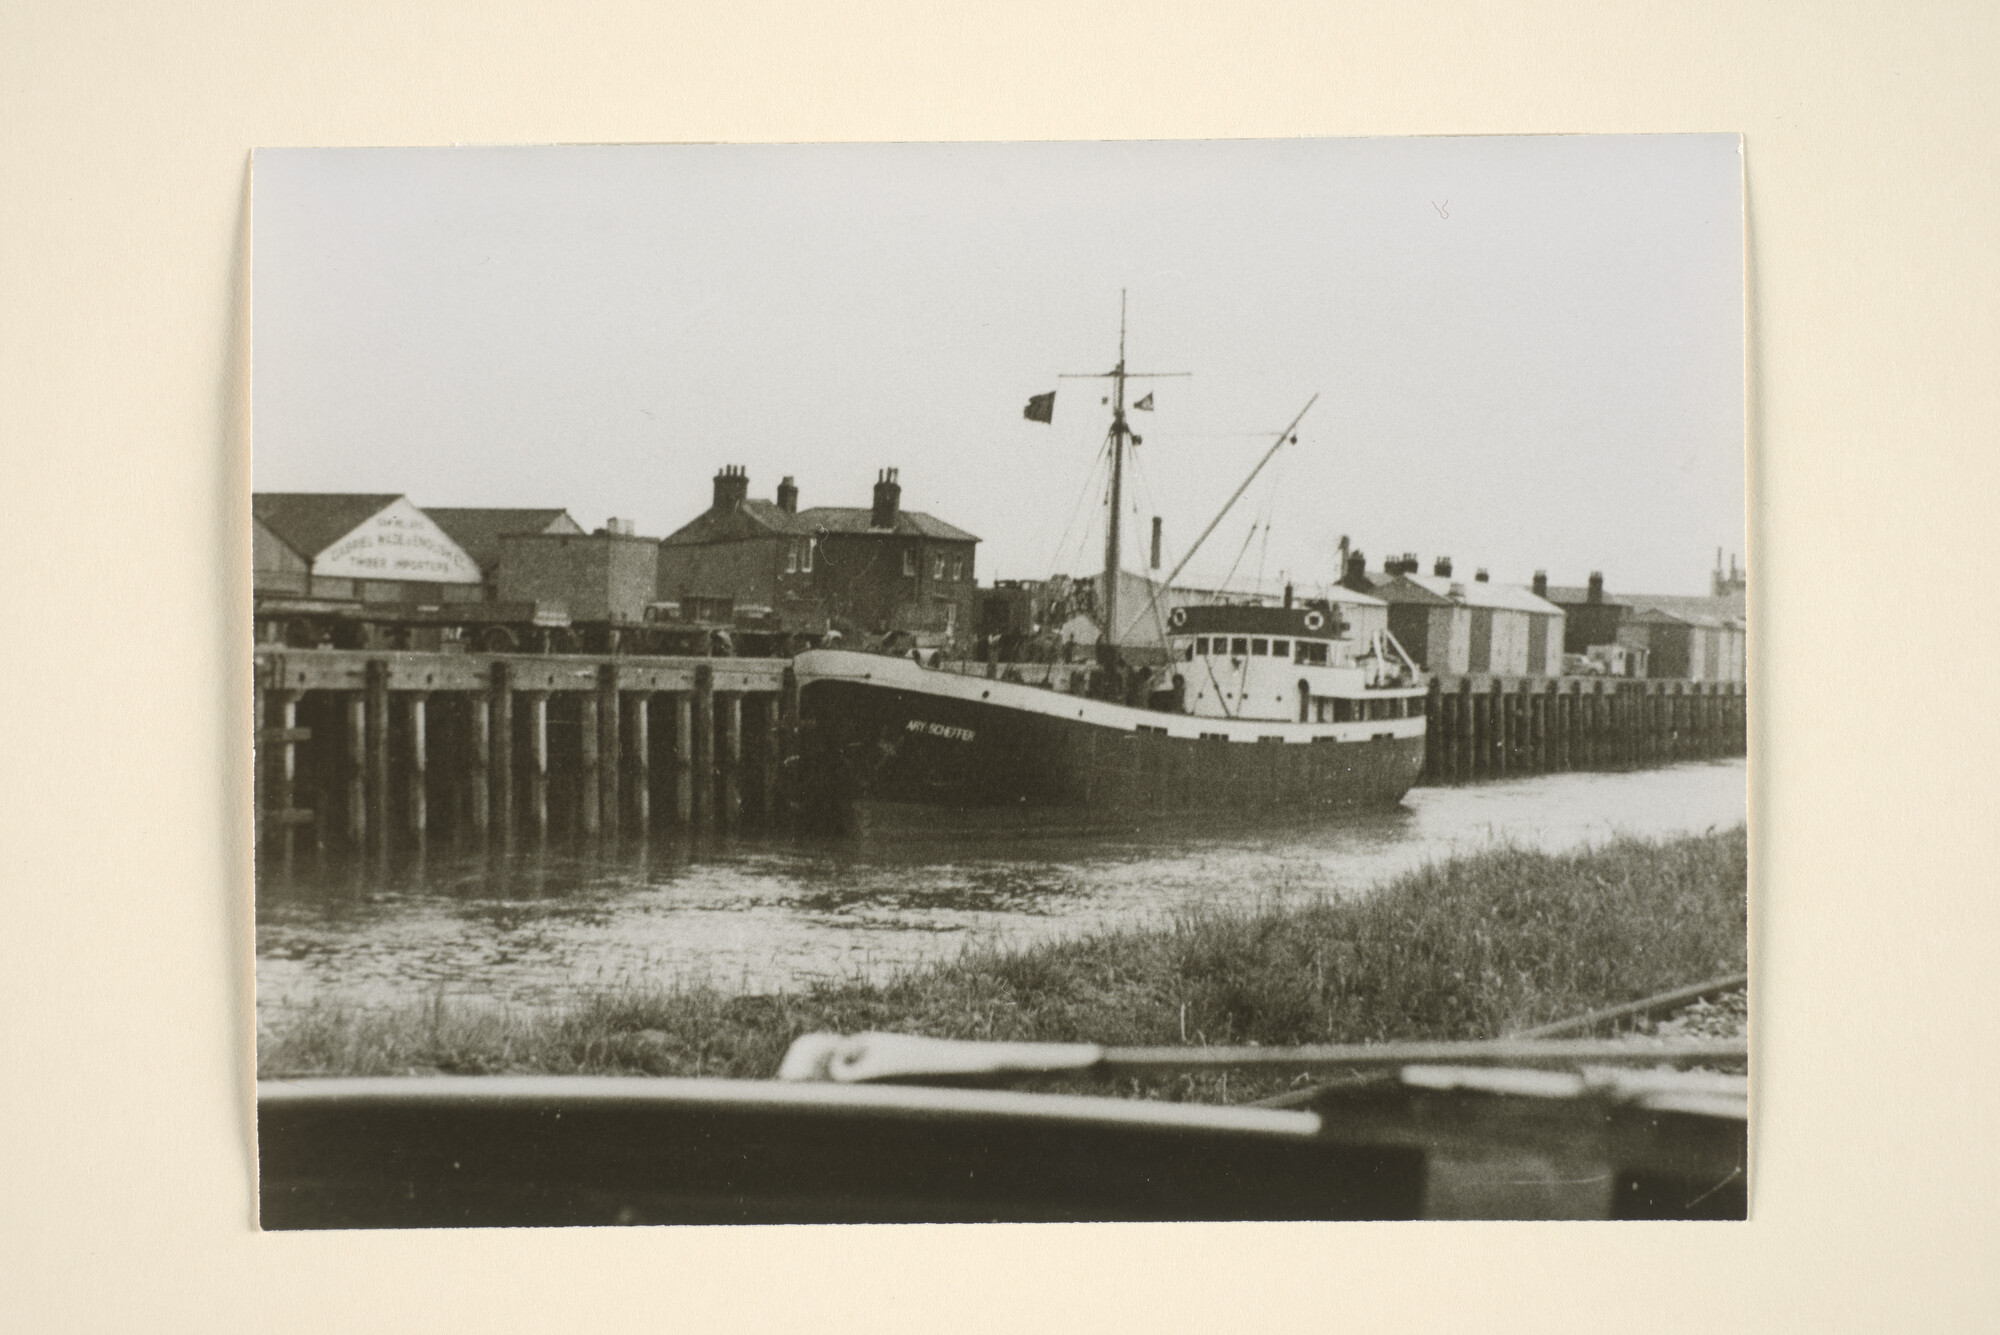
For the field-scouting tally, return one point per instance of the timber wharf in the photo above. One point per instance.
(368, 748)
(371, 747)
(1487, 727)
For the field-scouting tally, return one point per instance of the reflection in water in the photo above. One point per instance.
(759, 914)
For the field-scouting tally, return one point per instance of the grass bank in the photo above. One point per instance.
(1469, 948)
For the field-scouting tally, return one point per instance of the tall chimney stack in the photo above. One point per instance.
(1356, 577)
(732, 486)
(1596, 594)
(1541, 584)
(1442, 567)
(788, 496)
(1479, 575)
(1156, 542)
(888, 500)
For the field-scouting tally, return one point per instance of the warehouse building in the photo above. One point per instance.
(1453, 627)
(479, 531)
(345, 547)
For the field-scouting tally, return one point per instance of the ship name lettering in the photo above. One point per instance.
(941, 730)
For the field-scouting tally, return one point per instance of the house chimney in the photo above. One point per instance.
(732, 487)
(1479, 575)
(1442, 567)
(1156, 542)
(888, 500)
(1596, 594)
(1356, 577)
(1288, 595)
(1541, 583)
(788, 496)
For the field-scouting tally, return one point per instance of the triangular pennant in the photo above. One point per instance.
(1145, 404)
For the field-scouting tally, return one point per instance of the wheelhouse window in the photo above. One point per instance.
(1201, 646)
(1311, 652)
(1239, 648)
(1260, 648)
(1281, 648)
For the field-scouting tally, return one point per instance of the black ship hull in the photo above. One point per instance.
(896, 738)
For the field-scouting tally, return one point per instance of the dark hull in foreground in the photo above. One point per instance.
(500, 1152)
(937, 739)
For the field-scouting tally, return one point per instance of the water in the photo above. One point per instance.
(764, 913)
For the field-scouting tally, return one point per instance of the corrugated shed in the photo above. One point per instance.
(309, 522)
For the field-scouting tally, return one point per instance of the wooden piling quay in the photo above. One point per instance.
(435, 745)
(1483, 726)
(703, 814)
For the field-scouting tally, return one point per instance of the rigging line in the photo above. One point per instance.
(1062, 543)
(1241, 487)
(1248, 538)
(1154, 589)
(1270, 506)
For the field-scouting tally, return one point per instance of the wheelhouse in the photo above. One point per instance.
(1300, 664)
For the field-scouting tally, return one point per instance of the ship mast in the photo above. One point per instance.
(1112, 546)
(1118, 375)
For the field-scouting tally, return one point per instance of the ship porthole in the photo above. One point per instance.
(1178, 616)
(1315, 620)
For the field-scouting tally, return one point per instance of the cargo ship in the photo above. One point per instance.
(1258, 708)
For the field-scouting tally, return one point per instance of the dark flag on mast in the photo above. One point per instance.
(1041, 408)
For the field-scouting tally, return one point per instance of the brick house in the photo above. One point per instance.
(866, 571)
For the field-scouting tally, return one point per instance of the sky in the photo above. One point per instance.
(1528, 352)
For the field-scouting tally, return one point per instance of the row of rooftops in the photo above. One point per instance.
(734, 514)
(311, 522)
(1399, 581)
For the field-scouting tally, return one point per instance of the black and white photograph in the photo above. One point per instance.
(1001, 682)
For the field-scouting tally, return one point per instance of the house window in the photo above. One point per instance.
(792, 559)
(937, 566)
(958, 567)
(812, 546)
(909, 560)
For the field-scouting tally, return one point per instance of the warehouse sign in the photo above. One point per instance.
(399, 542)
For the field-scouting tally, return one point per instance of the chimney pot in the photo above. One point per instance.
(1596, 593)
(732, 486)
(1442, 567)
(888, 500)
(1480, 575)
(788, 495)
